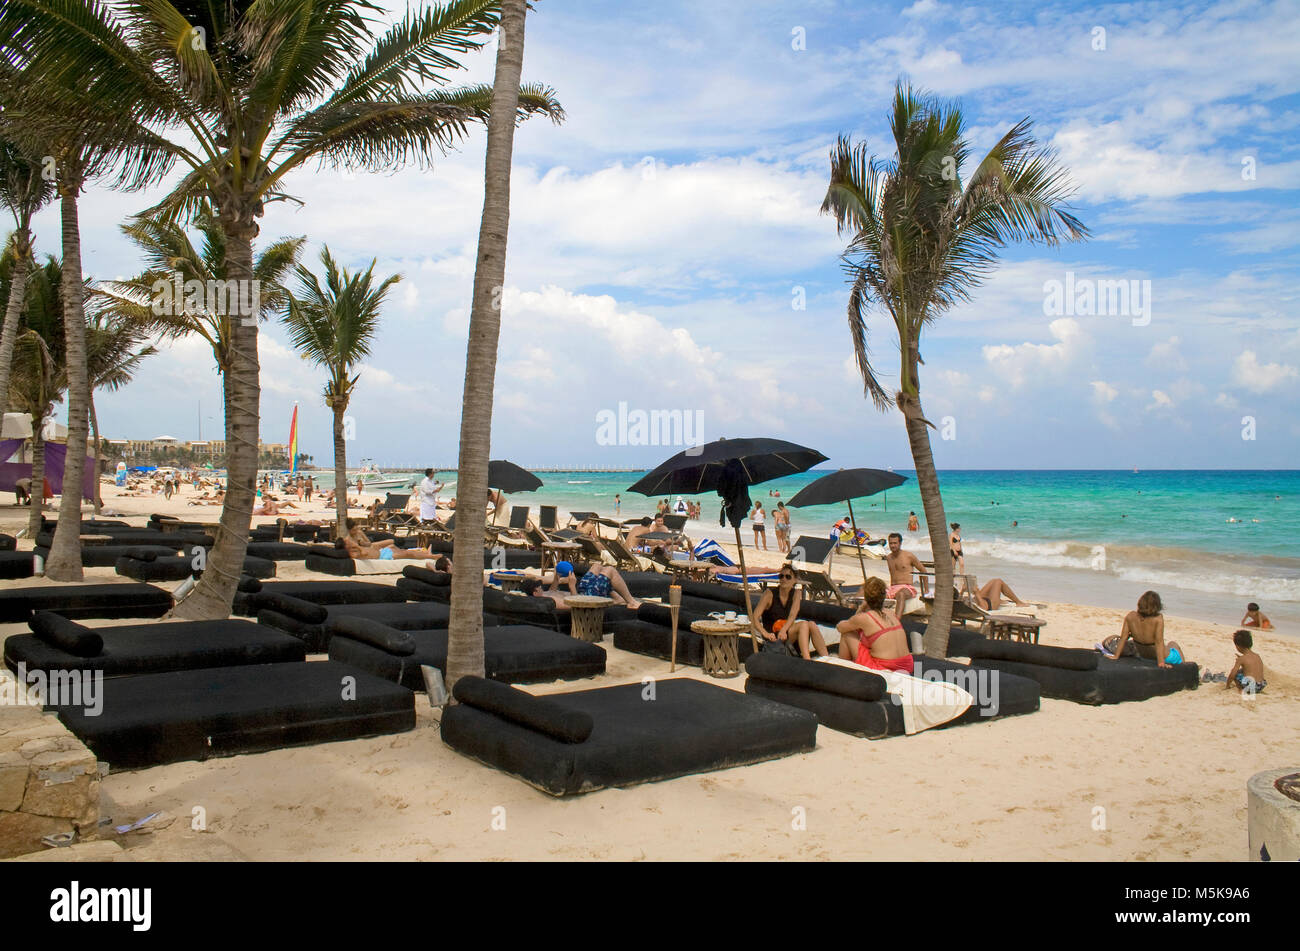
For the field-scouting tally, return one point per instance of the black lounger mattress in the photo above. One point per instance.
(84, 601)
(1114, 681)
(16, 564)
(689, 727)
(404, 616)
(1001, 694)
(515, 653)
(320, 592)
(152, 719)
(159, 647)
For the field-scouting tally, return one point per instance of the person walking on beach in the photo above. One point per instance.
(760, 530)
(618, 503)
(167, 484)
(428, 493)
(1247, 674)
(912, 524)
(1146, 628)
(954, 544)
(781, 518)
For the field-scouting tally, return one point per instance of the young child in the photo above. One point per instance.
(1254, 619)
(1247, 673)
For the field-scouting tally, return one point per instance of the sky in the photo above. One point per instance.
(666, 250)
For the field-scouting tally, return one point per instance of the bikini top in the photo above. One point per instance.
(884, 630)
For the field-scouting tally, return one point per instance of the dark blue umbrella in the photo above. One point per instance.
(845, 486)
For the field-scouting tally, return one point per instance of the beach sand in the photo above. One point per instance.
(1164, 779)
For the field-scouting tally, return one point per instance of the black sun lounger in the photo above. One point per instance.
(310, 623)
(278, 551)
(567, 743)
(60, 644)
(152, 719)
(516, 653)
(650, 633)
(178, 567)
(1083, 676)
(856, 702)
(16, 564)
(248, 597)
(17, 605)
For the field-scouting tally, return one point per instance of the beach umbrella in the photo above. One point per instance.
(728, 467)
(509, 478)
(846, 485)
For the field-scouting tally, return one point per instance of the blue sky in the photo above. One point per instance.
(661, 236)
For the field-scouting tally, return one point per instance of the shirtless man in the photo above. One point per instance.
(1254, 618)
(359, 546)
(901, 565)
(634, 536)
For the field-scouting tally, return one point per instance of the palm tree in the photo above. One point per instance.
(115, 348)
(465, 640)
(922, 242)
(87, 129)
(38, 376)
(263, 89)
(23, 190)
(333, 327)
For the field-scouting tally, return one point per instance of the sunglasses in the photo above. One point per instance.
(787, 577)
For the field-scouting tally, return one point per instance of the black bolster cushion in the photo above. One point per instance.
(828, 678)
(329, 551)
(367, 631)
(536, 713)
(1062, 658)
(439, 579)
(8, 543)
(69, 636)
(249, 585)
(141, 554)
(305, 611)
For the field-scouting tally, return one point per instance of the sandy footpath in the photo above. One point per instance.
(1166, 777)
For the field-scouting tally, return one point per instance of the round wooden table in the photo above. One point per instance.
(721, 645)
(587, 615)
(555, 552)
(508, 580)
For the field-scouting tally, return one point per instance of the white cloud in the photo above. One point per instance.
(1160, 400)
(1248, 372)
(922, 8)
(1103, 392)
(1039, 362)
(1167, 356)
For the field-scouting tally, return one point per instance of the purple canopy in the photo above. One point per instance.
(55, 455)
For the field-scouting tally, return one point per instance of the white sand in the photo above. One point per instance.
(1170, 774)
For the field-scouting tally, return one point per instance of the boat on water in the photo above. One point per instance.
(375, 481)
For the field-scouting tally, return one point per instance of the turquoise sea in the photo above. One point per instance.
(1208, 541)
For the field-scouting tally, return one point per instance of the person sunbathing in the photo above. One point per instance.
(648, 527)
(1146, 627)
(990, 596)
(873, 637)
(777, 617)
(600, 581)
(360, 548)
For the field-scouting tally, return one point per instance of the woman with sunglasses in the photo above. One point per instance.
(777, 618)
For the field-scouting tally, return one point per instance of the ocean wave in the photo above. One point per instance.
(1247, 587)
(1041, 554)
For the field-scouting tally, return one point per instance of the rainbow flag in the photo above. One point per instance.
(293, 440)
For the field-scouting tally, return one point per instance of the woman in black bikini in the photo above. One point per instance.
(954, 545)
(777, 616)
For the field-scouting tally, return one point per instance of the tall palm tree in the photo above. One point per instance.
(115, 348)
(465, 640)
(263, 89)
(333, 327)
(23, 190)
(87, 130)
(921, 241)
(38, 375)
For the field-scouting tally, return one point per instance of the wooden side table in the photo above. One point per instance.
(508, 580)
(555, 552)
(721, 646)
(1017, 627)
(587, 616)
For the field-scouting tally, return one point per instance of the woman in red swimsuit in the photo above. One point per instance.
(873, 637)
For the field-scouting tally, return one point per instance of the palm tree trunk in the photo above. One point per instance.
(927, 479)
(213, 595)
(65, 551)
(94, 428)
(340, 473)
(34, 519)
(13, 311)
(465, 629)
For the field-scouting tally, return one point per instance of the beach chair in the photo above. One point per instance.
(811, 557)
(547, 518)
(392, 515)
(512, 533)
(624, 556)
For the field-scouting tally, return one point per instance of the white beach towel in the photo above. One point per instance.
(925, 703)
(380, 566)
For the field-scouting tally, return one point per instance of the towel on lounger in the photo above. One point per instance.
(380, 566)
(925, 703)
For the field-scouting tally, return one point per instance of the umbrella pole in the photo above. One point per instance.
(744, 579)
(862, 564)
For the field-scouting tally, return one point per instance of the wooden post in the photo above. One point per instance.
(861, 563)
(674, 607)
(744, 580)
